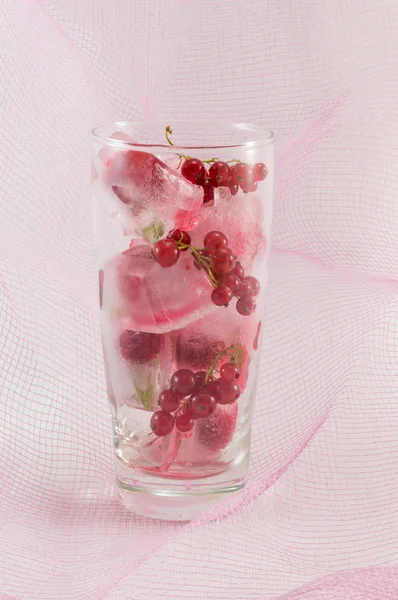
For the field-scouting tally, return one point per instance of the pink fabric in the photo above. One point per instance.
(318, 519)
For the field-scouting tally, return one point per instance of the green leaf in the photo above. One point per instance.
(146, 395)
(154, 231)
(238, 355)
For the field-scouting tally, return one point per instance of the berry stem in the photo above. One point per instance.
(182, 157)
(217, 357)
(169, 132)
(203, 261)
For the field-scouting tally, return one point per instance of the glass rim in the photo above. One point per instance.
(261, 136)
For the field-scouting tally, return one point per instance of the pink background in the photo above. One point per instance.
(319, 518)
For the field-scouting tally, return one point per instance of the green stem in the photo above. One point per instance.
(203, 261)
(213, 365)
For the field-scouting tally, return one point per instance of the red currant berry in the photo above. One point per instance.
(186, 410)
(208, 192)
(194, 170)
(245, 289)
(183, 381)
(169, 400)
(203, 404)
(138, 346)
(245, 306)
(240, 173)
(229, 372)
(212, 388)
(222, 260)
(184, 423)
(238, 270)
(166, 253)
(181, 237)
(162, 423)
(230, 280)
(228, 392)
(233, 188)
(260, 172)
(215, 240)
(219, 173)
(200, 378)
(248, 186)
(221, 295)
(255, 285)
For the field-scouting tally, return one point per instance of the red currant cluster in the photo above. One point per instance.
(220, 174)
(224, 271)
(194, 396)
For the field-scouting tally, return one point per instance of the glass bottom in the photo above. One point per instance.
(179, 499)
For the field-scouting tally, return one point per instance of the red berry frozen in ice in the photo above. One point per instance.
(208, 192)
(260, 172)
(238, 270)
(184, 423)
(166, 253)
(193, 170)
(231, 280)
(182, 237)
(215, 240)
(169, 400)
(229, 372)
(183, 381)
(219, 173)
(245, 288)
(228, 392)
(221, 295)
(248, 186)
(254, 284)
(162, 423)
(196, 350)
(203, 404)
(216, 432)
(233, 188)
(133, 166)
(241, 173)
(222, 260)
(245, 306)
(138, 346)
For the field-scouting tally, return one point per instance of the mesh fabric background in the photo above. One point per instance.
(319, 518)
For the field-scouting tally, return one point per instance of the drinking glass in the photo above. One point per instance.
(182, 219)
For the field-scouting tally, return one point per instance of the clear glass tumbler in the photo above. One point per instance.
(183, 220)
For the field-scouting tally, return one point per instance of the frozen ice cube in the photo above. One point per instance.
(147, 297)
(240, 218)
(135, 379)
(152, 190)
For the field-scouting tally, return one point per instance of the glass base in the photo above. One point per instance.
(174, 500)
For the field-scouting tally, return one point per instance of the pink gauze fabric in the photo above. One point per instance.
(319, 517)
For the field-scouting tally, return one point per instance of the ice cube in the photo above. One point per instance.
(240, 218)
(152, 190)
(198, 344)
(144, 296)
(135, 379)
(138, 446)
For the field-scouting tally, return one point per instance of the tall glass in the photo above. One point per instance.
(183, 220)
